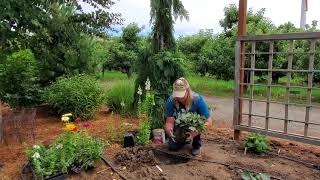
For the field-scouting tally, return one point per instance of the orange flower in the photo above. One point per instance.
(71, 127)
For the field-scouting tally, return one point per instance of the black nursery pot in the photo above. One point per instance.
(58, 176)
(128, 140)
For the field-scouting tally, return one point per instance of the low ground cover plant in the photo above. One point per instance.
(257, 143)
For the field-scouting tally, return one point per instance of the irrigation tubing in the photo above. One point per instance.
(308, 164)
(107, 162)
(211, 161)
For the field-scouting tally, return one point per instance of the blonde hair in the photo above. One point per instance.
(189, 99)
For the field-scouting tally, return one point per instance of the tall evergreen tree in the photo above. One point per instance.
(161, 17)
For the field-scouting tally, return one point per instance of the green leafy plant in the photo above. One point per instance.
(19, 80)
(81, 95)
(69, 149)
(143, 135)
(190, 121)
(116, 134)
(246, 175)
(257, 143)
(120, 97)
(145, 114)
(162, 69)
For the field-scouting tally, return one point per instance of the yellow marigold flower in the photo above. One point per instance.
(65, 119)
(71, 127)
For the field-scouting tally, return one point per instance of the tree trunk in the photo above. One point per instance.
(1, 124)
(161, 42)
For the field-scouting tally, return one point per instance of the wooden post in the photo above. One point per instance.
(288, 84)
(236, 85)
(241, 31)
(269, 88)
(1, 124)
(310, 79)
(253, 61)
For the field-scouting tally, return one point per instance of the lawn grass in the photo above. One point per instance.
(111, 78)
(210, 86)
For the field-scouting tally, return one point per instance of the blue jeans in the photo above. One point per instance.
(176, 145)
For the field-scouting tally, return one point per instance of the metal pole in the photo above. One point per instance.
(241, 31)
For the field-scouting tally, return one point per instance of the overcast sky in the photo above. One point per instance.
(205, 14)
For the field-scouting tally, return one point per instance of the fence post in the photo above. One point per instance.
(236, 91)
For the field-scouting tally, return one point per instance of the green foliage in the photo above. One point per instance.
(116, 134)
(35, 16)
(19, 80)
(145, 109)
(162, 69)
(143, 135)
(123, 52)
(121, 97)
(81, 95)
(120, 58)
(215, 60)
(67, 52)
(130, 36)
(161, 18)
(190, 121)
(246, 175)
(69, 149)
(59, 33)
(257, 143)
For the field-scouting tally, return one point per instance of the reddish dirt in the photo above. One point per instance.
(48, 127)
(218, 146)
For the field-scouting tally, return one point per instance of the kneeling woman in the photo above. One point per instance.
(183, 99)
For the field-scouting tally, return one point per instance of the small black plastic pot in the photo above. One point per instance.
(28, 173)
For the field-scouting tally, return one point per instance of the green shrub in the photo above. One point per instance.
(19, 80)
(162, 69)
(120, 97)
(257, 143)
(69, 150)
(80, 95)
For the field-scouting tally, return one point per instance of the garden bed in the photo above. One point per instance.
(218, 147)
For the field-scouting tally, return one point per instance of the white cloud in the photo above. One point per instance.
(205, 14)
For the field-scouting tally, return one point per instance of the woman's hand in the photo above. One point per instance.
(208, 123)
(192, 134)
(168, 128)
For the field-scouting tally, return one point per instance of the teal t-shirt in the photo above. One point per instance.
(199, 106)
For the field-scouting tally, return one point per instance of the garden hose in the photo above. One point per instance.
(211, 161)
(108, 163)
(308, 164)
